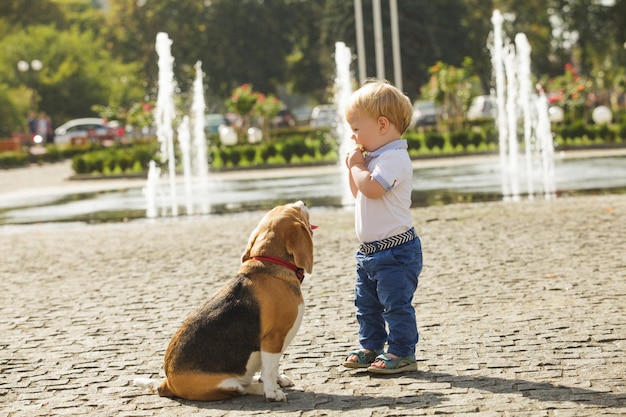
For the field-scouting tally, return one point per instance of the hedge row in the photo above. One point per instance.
(301, 149)
(116, 160)
(602, 132)
(52, 153)
(296, 146)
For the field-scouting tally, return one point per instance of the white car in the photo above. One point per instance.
(84, 130)
(482, 107)
(324, 115)
(425, 113)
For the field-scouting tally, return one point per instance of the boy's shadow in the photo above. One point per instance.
(540, 391)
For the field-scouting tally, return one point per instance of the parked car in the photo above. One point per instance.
(213, 121)
(84, 130)
(425, 113)
(482, 107)
(284, 118)
(324, 115)
(302, 116)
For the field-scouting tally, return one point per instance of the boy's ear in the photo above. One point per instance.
(383, 124)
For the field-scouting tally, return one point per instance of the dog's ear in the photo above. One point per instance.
(299, 244)
(251, 240)
(259, 233)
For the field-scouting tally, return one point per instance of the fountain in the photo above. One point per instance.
(343, 90)
(544, 134)
(151, 190)
(511, 109)
(165, 112)
(498, 68)
(523, 56)
(184, 139)
(201, 171)
(194, 158)
(511, 64)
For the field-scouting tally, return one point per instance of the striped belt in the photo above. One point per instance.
(378, 245)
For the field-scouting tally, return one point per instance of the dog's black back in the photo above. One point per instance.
(232, 316)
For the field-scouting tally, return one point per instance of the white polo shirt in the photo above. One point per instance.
(390, 215)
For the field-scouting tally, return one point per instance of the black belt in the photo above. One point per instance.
(378, 245)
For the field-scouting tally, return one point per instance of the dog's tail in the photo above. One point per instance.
(151, 384)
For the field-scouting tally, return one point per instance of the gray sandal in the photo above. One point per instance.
(365, 358)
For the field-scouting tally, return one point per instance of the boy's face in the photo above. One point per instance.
(366, 132)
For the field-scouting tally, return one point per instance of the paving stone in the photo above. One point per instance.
(98, 304)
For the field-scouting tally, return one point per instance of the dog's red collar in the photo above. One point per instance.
(299, 271)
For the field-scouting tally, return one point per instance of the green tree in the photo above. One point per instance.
(267, 107)
(305, 73)
(247, 41)
(77, 72)
(426, 34)
(19, 14)
(598, 29)
(453, 88)
(11, 119)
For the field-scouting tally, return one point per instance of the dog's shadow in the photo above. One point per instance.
(305, 400)
(300, 401)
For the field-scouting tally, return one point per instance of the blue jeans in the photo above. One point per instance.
(385, 284)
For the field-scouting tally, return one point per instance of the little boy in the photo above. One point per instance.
(389, 259)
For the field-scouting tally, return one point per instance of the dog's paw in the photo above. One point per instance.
(284, 381)
(276, 395)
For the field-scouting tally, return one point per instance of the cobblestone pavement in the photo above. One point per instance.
(520, 309)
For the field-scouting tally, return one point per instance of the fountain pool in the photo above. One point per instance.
(444, 183)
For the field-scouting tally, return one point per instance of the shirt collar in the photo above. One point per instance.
(396, 144)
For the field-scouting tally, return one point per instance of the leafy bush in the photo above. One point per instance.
(235, 155)
(326, 145)
(13, 159)
(605, 133)
(224, 155)
(459, 138)
(622, 131)
(268, 151)
(115, 160)
(287, 151)
(413, 142)
(476, 138)
(491, 135)
(434, 140)
(53, 154)
(249, 153)
(574, 130)
(79, 165)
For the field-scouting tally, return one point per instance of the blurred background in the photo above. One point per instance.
(81, 58)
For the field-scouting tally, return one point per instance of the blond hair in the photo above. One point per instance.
(379, 98)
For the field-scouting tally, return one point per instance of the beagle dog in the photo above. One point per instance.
(247, 325)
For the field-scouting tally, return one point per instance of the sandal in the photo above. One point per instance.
(394, 365)
(365, 358)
